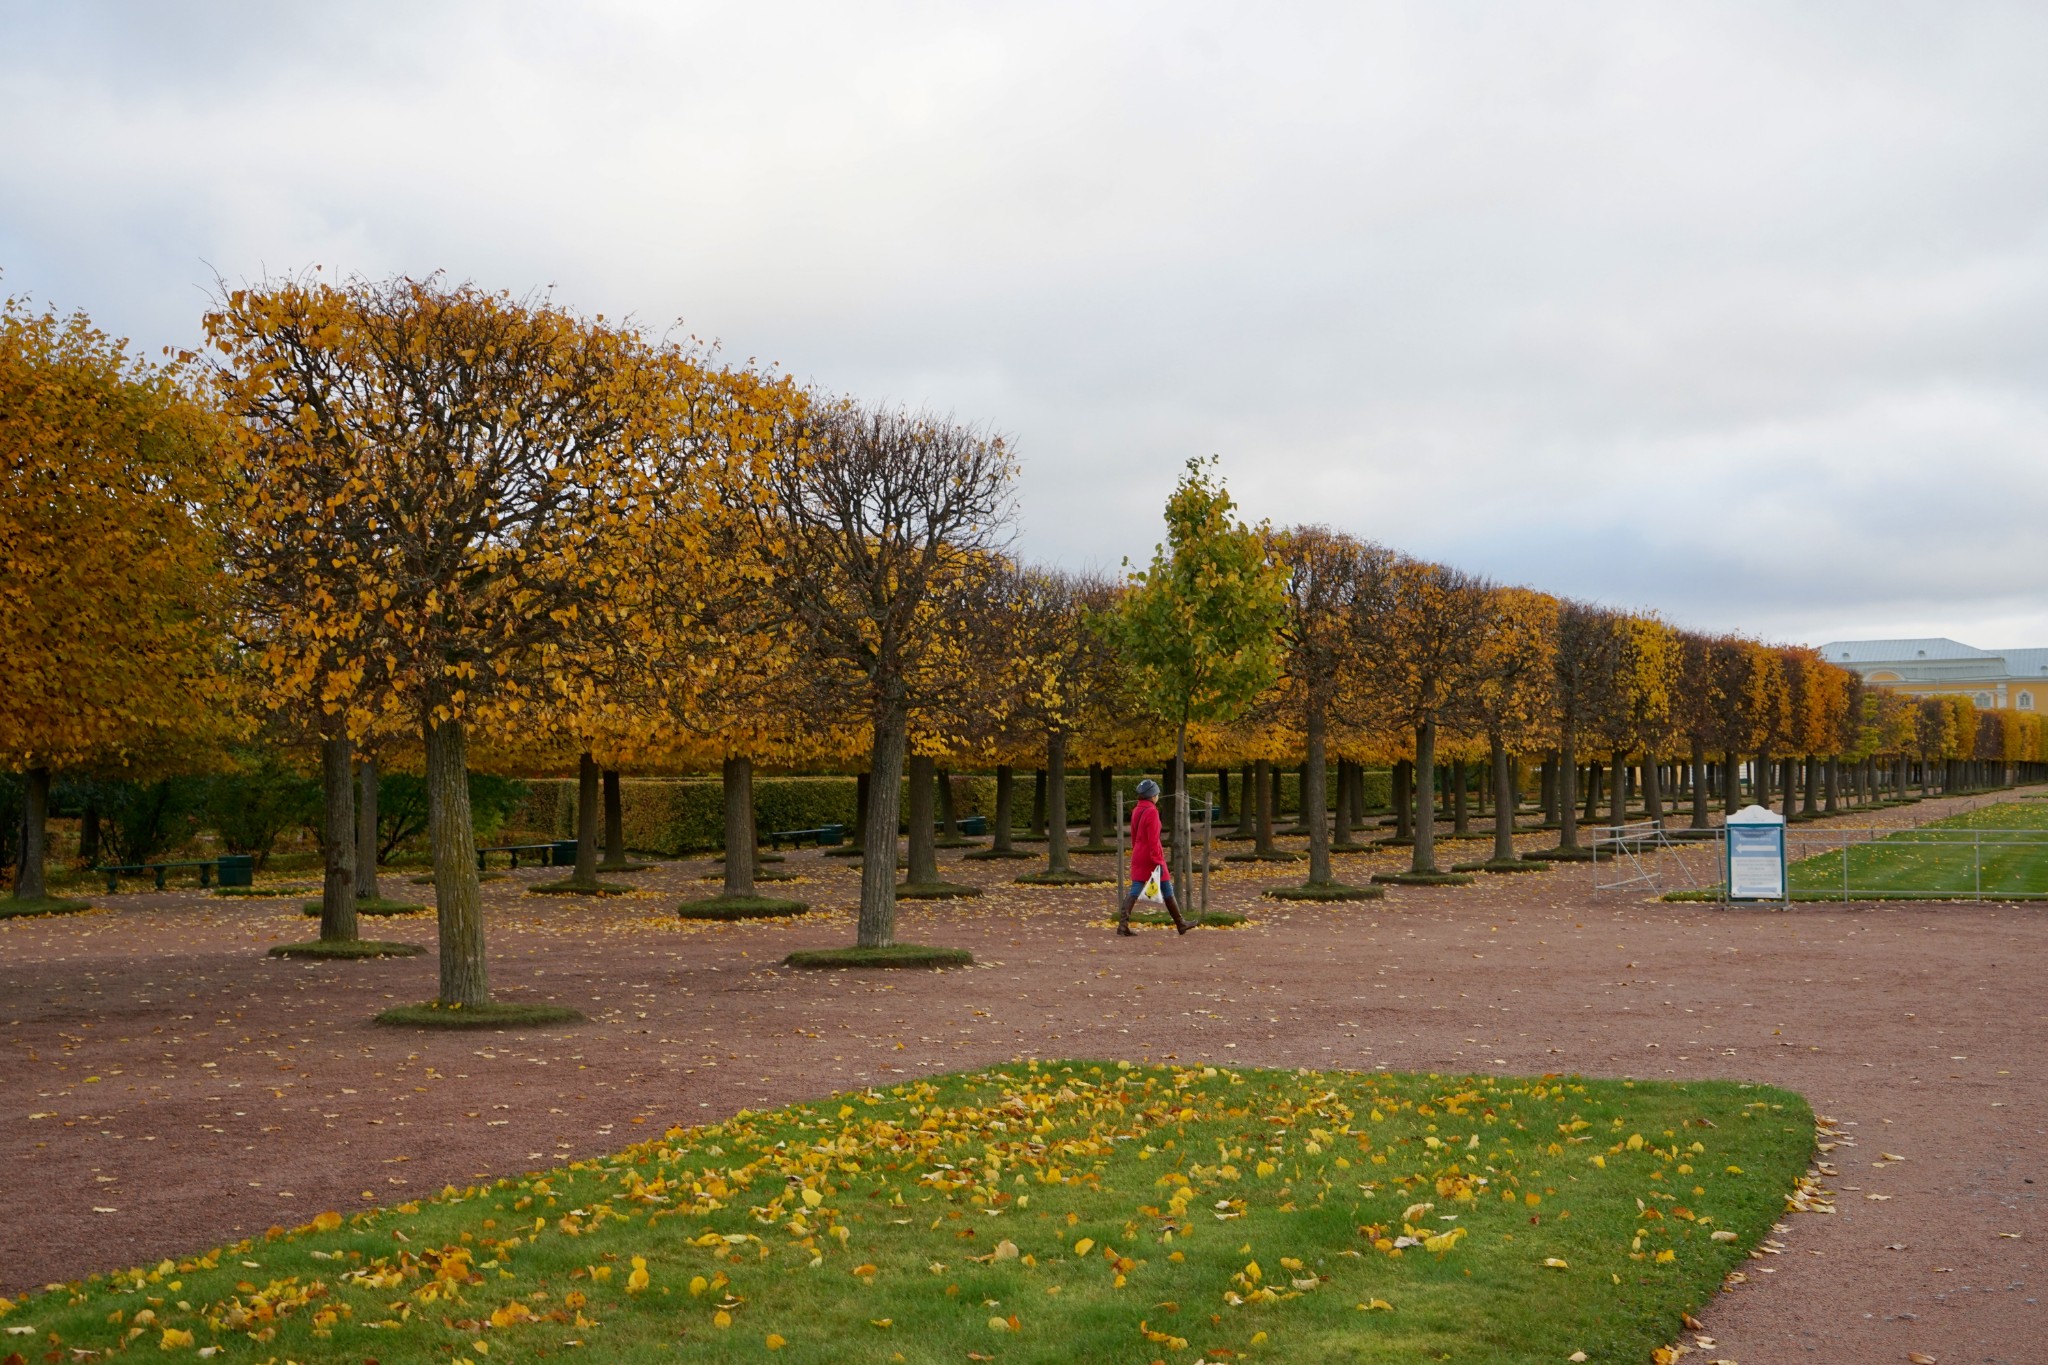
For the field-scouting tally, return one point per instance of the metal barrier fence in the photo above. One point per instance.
(1838, 863)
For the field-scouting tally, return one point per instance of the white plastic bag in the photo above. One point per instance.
(1152, 891)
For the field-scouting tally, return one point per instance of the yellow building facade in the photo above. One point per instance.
(1994, 679)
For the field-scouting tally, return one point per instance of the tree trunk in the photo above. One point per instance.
(1700, 783)
(614, 824)
(1833, 775)
(1248, 803)
(338, 835)
(1098, 807)
(1262, 829)
(1315, 811)
(1567, 796)
(861, 786)
(877, 927)
(1592, 791)
(31, 883)
(586, 822)
(923, 821)
(458, 898)
(366, 830)
(89, 834)
(1183, 826)
(1503, 801)
(1617, 791)
(1404, 799)
(740, 839)
(949, 824)
(1760, 780)
(1653, 790)
(1056, 803)
(1546, 788)
(1169, 796)
(1811, 804)
(1425, 798)
(1038, 803)
(1006, 782)
(1222, 795)
(1461, 825)
(1341, 835)
(1273, 776)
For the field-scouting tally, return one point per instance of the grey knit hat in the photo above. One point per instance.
(1149, 789)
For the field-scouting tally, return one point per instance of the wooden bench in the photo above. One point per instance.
(234, 869)
(546, 855)
(821, 836)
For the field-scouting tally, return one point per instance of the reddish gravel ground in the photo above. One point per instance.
(166, 1087)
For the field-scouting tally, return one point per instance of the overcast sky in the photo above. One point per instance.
(1735, 312)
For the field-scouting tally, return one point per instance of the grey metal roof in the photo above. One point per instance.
(1920, 660)
(1896, 651)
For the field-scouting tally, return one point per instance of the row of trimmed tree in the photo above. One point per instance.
(414, 524)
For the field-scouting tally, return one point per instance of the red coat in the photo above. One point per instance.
(1146, 852)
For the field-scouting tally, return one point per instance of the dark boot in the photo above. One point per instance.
(1123, 919)
(1180, 926)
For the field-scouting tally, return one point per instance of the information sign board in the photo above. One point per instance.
(1756, 856)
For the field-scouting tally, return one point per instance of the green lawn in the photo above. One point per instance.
(1055, 1212)
(1940, 859)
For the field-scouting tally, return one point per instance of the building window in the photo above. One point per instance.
(1983, 700)
(2026, 701)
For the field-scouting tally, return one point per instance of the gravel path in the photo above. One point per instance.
(165, 1087)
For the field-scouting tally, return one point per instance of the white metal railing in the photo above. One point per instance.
(1647, 852)
(1840, 863)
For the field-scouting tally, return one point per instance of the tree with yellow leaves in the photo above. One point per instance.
(110, 625)
(1327, 572)
(1582, 668)
(1061, 664)
(1421, 646)
(437, 493)
(1515, 703)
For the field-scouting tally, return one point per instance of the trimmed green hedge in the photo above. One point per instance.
(675, 816)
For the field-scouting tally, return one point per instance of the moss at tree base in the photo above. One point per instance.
(895, 955)
(379, 907)
(741, 907)
(346, 949)
(569, 886)
(434, 1014)
(1324, 891)
(14, 907)
(1215, 919)
(1070, 877)
(935, 891)
(1423, 878)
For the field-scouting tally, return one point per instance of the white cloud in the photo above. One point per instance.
(1737, 313)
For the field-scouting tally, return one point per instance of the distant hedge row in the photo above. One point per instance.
(674, 816)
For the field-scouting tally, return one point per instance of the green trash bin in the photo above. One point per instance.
(237, 869)
(564, 854)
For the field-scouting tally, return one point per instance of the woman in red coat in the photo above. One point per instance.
(1146, 855)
